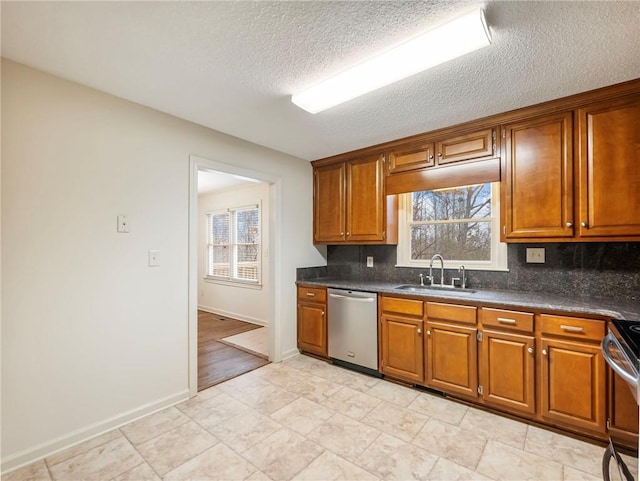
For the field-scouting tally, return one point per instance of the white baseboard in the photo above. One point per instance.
(43, 450)
(289, 354)
(234, 315)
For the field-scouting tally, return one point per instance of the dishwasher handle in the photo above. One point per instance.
(352, 298)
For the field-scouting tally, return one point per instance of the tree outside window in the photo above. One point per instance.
(459, 223)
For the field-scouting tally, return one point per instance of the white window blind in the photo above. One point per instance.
(233, 244)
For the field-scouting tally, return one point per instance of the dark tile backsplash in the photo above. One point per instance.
(571, 269)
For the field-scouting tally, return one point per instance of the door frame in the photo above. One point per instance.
(275, 275)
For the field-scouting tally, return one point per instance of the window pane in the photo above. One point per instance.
(248, 226)
(457, 241)
(220, 228)
(221, 261)
(247, 262)
(472, 201)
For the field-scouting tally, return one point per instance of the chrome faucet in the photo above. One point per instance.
(464, 277)
(437, 256)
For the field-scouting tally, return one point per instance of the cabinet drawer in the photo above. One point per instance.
(573, 327)
(312, 294)
(402, 306)
(451, 312)
(513, 320)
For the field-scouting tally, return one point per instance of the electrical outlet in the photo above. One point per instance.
(369, 261)
(535, 255)
(123, 224)
(154, 258)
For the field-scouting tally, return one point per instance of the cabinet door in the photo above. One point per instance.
(452, 361)
(402, 348)
(538, 179)
(507, 366)
(609, 168)
(474, 146)
(312, 328)
(329, 203)
(573, 384)
(365, 199)
(623, 411)
(411, 157)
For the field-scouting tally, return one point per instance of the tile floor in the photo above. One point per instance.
(305, 419)
(256, 341)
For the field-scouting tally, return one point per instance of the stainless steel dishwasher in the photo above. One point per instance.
(353, 329)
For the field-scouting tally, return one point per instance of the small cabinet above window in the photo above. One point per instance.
(479, 145)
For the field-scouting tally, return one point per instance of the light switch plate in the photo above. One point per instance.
(369, 261)
(535, 255)
(154, 258)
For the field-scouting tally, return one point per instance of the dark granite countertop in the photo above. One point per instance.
(539, 301)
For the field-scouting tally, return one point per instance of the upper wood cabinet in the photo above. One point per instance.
(473, 146)
(538, 177)
(411, 157)
(542, 198)
(609, 168)
(350, 205)
(417, 155)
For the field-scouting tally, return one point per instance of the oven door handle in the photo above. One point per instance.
(623, 373)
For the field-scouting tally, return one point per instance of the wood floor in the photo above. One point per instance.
(217, 361)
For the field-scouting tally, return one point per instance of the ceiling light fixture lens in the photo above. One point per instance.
(458, 37)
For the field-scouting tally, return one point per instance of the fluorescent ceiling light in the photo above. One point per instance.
(462, 35)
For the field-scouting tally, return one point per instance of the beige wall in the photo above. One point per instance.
(247, 302)
(92, 336)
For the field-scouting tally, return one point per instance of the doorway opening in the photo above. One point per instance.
(232, 279)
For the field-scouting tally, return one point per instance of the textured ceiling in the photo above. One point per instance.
(232, 66)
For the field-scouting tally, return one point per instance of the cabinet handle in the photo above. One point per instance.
(530, 350)
(431, 157)
(506, 320)
(572, 328)
(584, 224)
(569, 224)
(341, 233)
(419, 331)
(439, 154)
(428, 333)
(348, 234)
(544, 352)
(323, 313)
(311, 294)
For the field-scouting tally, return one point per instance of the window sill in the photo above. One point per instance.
(232, 283)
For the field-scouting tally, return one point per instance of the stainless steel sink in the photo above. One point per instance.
(418, 288)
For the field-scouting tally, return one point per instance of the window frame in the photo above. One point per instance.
(498, 260)
(232, 279)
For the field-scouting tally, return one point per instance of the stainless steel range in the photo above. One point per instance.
(621, 349)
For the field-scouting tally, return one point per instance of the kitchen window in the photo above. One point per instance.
(233, 244)
(462, 224)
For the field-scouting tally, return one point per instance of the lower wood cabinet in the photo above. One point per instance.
(573, 382)
(401, 339)
(623, 411)
(507, 371)
(451, 347)
(312, 320)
